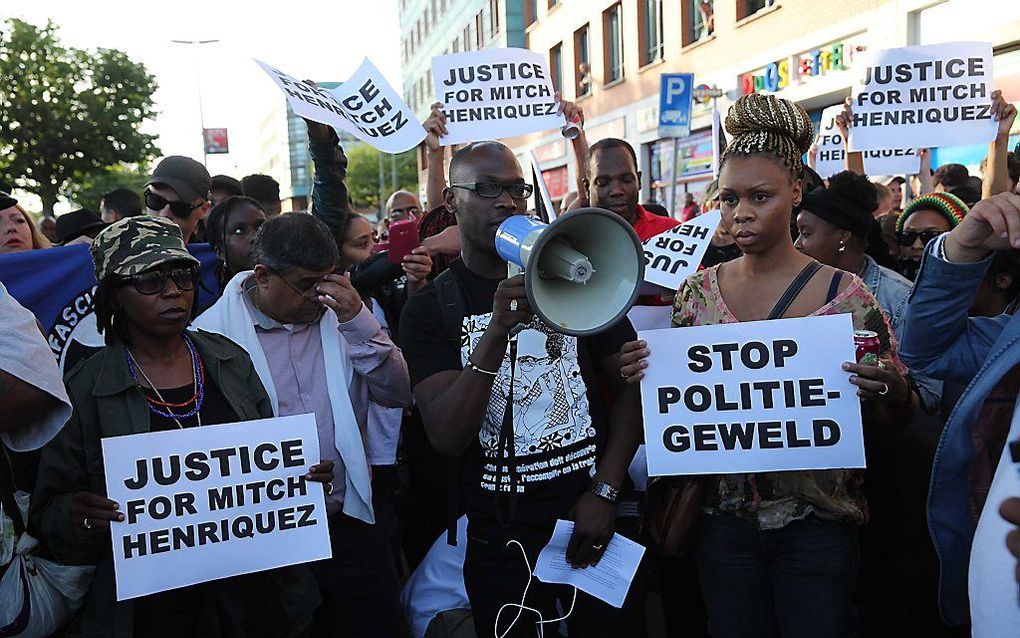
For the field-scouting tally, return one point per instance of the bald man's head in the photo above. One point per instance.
(402, 205)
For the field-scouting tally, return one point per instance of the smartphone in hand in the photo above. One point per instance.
(403, 239)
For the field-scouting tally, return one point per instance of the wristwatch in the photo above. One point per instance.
(605, 491)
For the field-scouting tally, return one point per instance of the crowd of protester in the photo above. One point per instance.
(405, 369)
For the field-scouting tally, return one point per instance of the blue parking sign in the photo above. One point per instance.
(675, 104)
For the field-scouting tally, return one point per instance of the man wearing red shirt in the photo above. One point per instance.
(613, 181)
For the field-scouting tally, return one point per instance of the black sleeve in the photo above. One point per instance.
(610, 341)
(426, 348)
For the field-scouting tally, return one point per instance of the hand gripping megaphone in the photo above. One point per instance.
(582, 272)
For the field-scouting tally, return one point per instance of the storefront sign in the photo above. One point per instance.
(799, 68)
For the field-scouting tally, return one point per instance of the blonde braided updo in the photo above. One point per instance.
(766, 124)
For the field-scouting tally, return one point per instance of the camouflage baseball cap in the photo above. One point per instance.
(136, 244)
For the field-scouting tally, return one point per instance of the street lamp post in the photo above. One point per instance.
(198, 75)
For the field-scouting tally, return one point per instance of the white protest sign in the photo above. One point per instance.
(831, 153)
(924, 96)
(494, 94)
(366, 106)
(758, 396)
(216, 501)
(674, 254)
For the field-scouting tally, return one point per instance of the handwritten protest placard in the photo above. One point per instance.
(924, 96)
(366, 106)
(673, 255)
(211, 502)
(758, 396)
(831, 152)
(494, 94)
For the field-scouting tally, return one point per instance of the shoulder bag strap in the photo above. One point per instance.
(794, 289)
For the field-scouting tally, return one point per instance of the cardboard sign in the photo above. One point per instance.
(758, 396)
(366, 106)
(831, 153)
(494, 94)
(673, 255)
(924, 96)
(210, 502)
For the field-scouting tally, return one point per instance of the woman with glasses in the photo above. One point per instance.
(923, 220)
(776, 551)
(155, 375)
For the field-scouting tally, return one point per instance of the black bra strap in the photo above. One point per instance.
(794, 289)
(834, 286)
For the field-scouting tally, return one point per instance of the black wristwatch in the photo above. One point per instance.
(605, 491)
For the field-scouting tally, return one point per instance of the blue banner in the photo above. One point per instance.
(57, 285)
(675, 95)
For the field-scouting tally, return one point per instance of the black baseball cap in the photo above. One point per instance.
(188, 178)
(227, 184)
(75, 224)
(6, 201)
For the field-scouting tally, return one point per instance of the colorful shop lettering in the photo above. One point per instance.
(796, 68)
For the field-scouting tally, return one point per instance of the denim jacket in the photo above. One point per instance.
(892, 290)
(940, 340)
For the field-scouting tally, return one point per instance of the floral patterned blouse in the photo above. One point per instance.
(774, 499)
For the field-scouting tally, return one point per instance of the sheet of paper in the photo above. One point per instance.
(608, 581)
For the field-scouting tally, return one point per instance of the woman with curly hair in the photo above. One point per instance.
(776, 551)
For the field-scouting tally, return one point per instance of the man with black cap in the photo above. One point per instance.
(78, 227)
(179, 190)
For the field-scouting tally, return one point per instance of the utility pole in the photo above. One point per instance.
(198, 82)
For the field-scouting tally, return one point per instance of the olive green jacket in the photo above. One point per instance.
(106, 403)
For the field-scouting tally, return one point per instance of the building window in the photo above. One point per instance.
(530, 12)
(650, 30)
(556, 66)
(582, 72)
(698, 18)
(493, 17)
(553, 3)
(467, 38)
(479, 31)
(746, 8)
(612, 43)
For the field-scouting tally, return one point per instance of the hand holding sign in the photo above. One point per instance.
(435, 128)
(676, 253)
(1004, 113)
(91, 514)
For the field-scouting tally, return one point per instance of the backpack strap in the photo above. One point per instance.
(794, 289)
(452, 310)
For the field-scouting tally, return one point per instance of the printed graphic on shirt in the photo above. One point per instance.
(553, 431)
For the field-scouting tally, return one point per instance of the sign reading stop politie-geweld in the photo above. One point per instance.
(760, 396)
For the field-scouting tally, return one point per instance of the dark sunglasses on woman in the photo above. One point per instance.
(154, 281)
(181, 210)
(908, 237)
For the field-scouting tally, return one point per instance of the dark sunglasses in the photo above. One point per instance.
(154, 282)
(908, 237)
(181, 210)
(492, 190)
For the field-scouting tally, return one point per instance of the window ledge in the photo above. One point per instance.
(651, 65)
(580, 98)
(761, 13)
(618, 81)
(549, 10)
(697, 43)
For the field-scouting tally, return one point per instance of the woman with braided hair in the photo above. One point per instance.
(777, 551)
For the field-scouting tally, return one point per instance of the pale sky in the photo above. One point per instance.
(324, 40)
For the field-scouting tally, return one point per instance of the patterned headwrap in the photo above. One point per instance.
(767, 124)
(946, 204)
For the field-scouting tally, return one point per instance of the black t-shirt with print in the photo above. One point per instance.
(560, 415)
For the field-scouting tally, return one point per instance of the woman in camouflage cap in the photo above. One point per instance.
(155, 375)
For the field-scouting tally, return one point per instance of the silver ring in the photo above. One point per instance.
(329, 488)
(513, 305)
(597, 547)
(885, 390)
(624, 375)
(85, 522)
(882, 366)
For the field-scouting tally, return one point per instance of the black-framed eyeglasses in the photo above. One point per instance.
(908, 237)
(154, 281)
(181, 210)
(492, 190)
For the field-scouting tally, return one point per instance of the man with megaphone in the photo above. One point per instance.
(518, 399)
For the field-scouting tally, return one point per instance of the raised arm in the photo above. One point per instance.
(996, 178)
(435, 128)
(855, 159)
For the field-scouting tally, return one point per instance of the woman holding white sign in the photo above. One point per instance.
(155, 375)
(776, 552)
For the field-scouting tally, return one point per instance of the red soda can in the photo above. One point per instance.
(868, 347)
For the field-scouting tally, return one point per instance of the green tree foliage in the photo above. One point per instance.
(363, 175)
(67, 114)
(87, 191)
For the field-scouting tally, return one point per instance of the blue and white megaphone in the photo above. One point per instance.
(582, 272)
